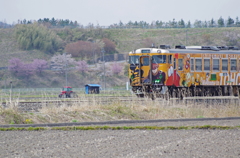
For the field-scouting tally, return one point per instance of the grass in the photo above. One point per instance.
(209, 127)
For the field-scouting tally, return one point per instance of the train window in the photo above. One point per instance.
(170, 59)
(233, 64)
(224, 64)
(180, 64)
(145, 61)
(239, 64)
(134, 60)
(174, 63)
(159, 59)
(198, 65)
(192, 64)
(206, 64)
(145, 51)
(215, 64)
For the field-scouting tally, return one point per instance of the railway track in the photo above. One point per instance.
(34, 106)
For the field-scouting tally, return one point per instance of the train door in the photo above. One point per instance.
(173, 76)
(134, 73)
(145, 70)
(180, 71)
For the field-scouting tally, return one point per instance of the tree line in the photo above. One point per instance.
(59, 23)
(180, 24)
(52, 22)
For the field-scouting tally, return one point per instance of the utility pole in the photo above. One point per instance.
(11, 92)
(186, 37)
(93, 49)
(66, 69)
(103, 51)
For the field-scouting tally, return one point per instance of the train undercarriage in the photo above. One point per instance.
(168, 92)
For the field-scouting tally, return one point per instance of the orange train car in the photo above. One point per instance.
(185, 71)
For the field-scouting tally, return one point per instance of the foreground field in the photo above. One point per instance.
(121, 143)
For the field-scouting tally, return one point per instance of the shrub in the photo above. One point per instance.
(109, 46)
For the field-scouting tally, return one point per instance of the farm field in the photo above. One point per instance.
(124, 143)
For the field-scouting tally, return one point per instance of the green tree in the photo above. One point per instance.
(198, 24)
(36, 36)
(189, 24)
(237, 23)
(181, 23)
(53, 22)
(230, 22)
(205, 24)
(120, 23)
(221, 22)
(212, 23)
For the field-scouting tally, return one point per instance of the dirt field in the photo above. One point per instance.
(125, 143)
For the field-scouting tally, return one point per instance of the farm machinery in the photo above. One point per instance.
(67, 93)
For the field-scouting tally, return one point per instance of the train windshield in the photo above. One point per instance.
(134, 60)
(159, 59)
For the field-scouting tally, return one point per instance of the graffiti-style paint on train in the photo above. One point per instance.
(185, 71)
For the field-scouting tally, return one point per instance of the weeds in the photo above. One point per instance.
(12, 116)
(209, 127)
(74, 120)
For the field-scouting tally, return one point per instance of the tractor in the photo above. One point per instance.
(67, 93)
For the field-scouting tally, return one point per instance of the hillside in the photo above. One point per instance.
(125, 40)
(129, 39)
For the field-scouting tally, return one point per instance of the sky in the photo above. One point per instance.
(107, 12)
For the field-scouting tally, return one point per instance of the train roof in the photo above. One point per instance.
(203, 51)
(190, 50)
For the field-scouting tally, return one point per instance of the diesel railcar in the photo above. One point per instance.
(185, 71)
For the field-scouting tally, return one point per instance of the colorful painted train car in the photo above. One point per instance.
(185, 71)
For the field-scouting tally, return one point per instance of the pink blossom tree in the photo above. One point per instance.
(61, 62)
(39, 65)
(26, 70)
(82, 66)
(116, 68)
(17, 67)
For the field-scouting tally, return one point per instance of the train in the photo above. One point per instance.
(184, 71)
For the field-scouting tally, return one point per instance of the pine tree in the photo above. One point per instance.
(221, 22)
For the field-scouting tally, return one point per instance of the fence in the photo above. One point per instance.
(54, 90)
(109, 58)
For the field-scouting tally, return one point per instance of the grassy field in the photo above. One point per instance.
(115, 109)
(129, 39)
